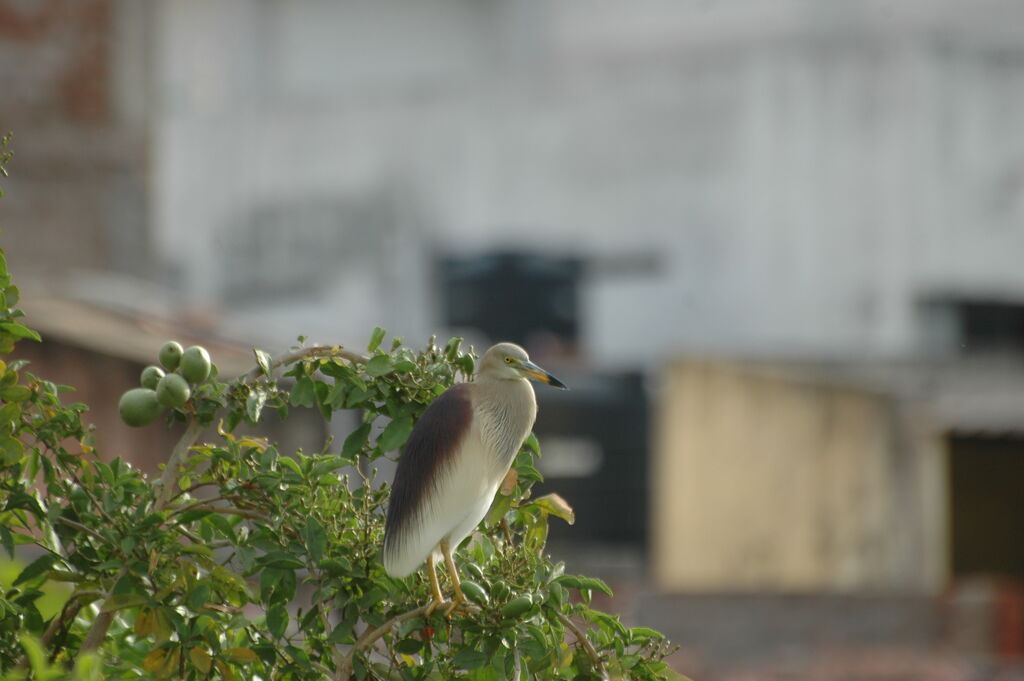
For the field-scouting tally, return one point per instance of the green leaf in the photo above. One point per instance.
(337, 394)
(316, 538)
(321, 391)
(7, 539)
(254, 404)
(595, 584)
(281, 561)
(36, 568)
(277, 619)
(15, 393)
(502, 504)
(528, 472)
(290, 464)
(121, 601)
(467, 658)
(199, 596)
(376, 338)
(395, 434)
(451, 348)
(644, 634)
(404, 366)
(201, 659)
(19, 330)
(379, 366)
(555, 505)
(355, 441)
(532, 444)
(343, 632)
(11, 450)
(465, 364)
(264, 360)
(240, 655)
(409, 646)
(303, 393)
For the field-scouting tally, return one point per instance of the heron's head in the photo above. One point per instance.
(509, 361)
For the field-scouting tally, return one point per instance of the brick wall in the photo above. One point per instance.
(75, 196)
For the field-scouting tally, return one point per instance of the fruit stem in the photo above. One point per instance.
(169, 480)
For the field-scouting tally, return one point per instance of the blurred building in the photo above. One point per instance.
(803, 221)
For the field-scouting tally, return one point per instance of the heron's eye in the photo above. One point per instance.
(508, 360)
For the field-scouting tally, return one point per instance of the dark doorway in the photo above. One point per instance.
(987, 496)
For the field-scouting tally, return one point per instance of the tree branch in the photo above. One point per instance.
(582, 639)
(371, 635)
(169, 480)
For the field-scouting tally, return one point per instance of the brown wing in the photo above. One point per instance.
(430, 448)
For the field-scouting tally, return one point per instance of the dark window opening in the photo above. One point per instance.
(987, 497)
(513, 296)
(991, 327)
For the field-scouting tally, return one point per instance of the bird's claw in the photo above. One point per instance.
(432, 606)
(455, 605)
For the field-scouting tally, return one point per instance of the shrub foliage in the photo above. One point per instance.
(245, 562)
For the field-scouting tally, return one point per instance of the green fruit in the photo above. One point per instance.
(139, 407)
(474, 592)
(172, 391)
(517, 606)
(500, 590)
(170, 355)
(151, 375)
(474, 569)
(195, 364)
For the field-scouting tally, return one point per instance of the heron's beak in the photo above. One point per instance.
(534, 371)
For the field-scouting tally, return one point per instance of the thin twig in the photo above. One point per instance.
(582, 639)
(81, 528)
(371, 635)
(68, 613)
(315, 352)
(194, 487)
(195, 504)
(232, 510)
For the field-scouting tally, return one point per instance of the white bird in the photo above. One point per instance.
(454, 460)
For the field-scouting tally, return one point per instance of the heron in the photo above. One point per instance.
(454, 460)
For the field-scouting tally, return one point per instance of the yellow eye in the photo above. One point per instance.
(508, 360)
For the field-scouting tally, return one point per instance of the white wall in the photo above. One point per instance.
(803, 175)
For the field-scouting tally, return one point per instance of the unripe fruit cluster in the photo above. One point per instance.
(165, 387)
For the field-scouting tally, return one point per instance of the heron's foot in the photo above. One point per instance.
(459, 602)
(434, 605)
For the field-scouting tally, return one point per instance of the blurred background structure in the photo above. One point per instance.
(774, 246)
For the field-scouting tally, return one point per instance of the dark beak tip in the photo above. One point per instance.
(555, 383)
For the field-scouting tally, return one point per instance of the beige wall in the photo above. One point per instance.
(763, 480)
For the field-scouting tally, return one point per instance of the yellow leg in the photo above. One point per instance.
(456, 584)
(434, 585)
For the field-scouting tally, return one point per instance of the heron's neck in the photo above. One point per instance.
(507, 409)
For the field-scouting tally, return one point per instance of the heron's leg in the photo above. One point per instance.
(456, 584)
(435, 587)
